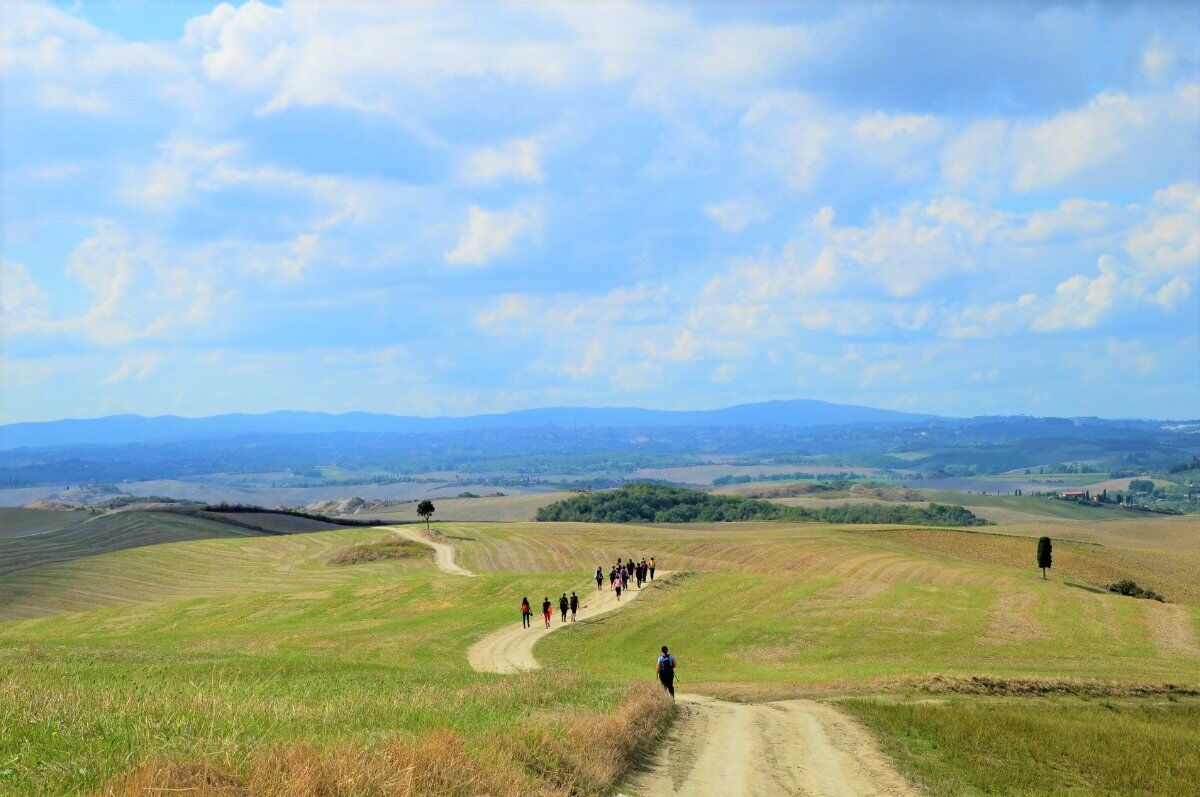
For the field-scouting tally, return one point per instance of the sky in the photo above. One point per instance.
(454, 208)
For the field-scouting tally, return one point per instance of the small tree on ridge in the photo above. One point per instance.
(1044, 555)
(425, 510)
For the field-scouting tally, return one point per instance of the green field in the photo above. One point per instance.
(246, 659)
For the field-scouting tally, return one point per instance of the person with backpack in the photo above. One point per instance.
(599, 579)
(612, 577)
(651, 564)
(563, 606)
(574, 605)
(526, 613)
(666, 671)
(546, 610)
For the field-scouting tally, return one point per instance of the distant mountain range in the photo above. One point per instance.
(121, 429)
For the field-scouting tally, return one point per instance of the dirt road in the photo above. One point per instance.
(443, 552)
(510, 649)
(792, 747)
(715, 748)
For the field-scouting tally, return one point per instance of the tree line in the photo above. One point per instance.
(643, 502)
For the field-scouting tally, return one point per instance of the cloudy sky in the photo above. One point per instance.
(456, 208)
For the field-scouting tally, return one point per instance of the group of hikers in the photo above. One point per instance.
(620, 573)
(565, 605)
(619, 576)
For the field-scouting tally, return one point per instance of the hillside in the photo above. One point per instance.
(135, 428)
(115, 531)
(260, 630)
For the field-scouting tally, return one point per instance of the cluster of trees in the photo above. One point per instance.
(659, 503)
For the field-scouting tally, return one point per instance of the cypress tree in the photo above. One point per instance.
(1044, 555)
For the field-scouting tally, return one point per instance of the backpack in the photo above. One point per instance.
(667, 665)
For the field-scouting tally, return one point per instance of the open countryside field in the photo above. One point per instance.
(256, 658)
(502, 508)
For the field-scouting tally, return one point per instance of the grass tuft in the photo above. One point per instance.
(377, 551)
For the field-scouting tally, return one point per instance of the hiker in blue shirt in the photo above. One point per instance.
(666, 671)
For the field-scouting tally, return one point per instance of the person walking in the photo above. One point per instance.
(612, 577)
(546, 610)
(666, 671)
(526, 613)
(574, 605)
(617, 589)
(651, 564)
(564, 606)
(599, 579)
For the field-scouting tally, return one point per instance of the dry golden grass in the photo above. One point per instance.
(582, 754)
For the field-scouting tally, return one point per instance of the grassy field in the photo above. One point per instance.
(1031, 505)
(341, 659)
(1025, 746)
(225, 659)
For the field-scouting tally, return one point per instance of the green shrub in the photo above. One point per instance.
(1130, 588)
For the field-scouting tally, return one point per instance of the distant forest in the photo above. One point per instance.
(645, 502)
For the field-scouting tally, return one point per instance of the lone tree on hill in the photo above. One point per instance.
(425, 510)
(1044, 554)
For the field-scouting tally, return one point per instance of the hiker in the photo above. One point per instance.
(526, 613)
(612, 577)
(666, 671)
(625, 578)
(617, 589)
(599, 579)
(574, 605)
(563, 606)
(546, 610)
(651, 564)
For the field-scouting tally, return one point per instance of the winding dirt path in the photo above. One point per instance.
(791, 747)
(715, 748)
(443, 552)
(510, 649)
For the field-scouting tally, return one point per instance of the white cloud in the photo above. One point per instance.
(490, 234)
(885, 127)
(25, 306)
(137, 369)
(519, 159)
(731, 216)
(1080, 302)
(593, 358)
(510, 312)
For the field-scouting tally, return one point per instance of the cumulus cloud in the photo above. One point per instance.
(490, 234)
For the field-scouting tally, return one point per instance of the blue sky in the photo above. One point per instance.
(459, 208)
